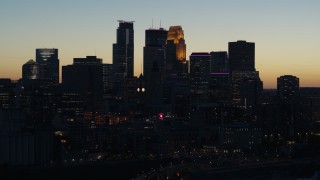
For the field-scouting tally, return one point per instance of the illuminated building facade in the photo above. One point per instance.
(176, 35)
(30, 70)
(176, 65)
(49, 64)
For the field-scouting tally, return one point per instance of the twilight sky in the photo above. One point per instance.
(286, 32)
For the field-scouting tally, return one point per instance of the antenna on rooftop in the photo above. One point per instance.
(160, 24)
(152, 23)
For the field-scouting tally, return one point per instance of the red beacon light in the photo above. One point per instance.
(161, 116)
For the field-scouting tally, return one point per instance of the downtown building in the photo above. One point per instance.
(199, 76)
(154, 65)
(209, 77)
(246, 85)
(176, 90)
(154, 52)
(30, 70)
(85, 76)
(219, 77)
(176, 63)
(288, 87)
(166, 72)
(123, 60)
(49, 64)
(123, 50)
(287, 117)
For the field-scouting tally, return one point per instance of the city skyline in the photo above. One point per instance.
(285, 32)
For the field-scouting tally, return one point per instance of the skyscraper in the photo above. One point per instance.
(123, 50)
(293, 117)
(30, 70)
(199, 76)
(123, 58)
(244, 77)
(154, 52)
(287, 87)
(219, 62)
(85, 75)
(176, 64)
(242, 56)
(219, 79)
(176, 35)
(49, 64)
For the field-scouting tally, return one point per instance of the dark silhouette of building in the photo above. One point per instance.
(245, 81)
(312, 94)
(219, 62)
(49, 64)
(250, 90)
(107, 76)
(219, 83)
(154, 87)
(30, 70)
(154, 52)
(86, 76)
(7, 94)
(199, 76)
(131, 86)
(288, 87)
(123, 58)
(123, 50)
(242, 56)
(246, 87)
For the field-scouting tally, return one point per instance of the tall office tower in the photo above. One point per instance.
(123, 50)
(287, 87)
(30, 70)
(176, 64)
(154, 52)
(199, 76)
(244, 77)
(85, 75)
(295, 116)
(219, 84)
(242, 56)
(176, 35)
(49, 64)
